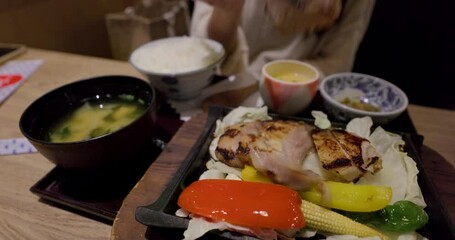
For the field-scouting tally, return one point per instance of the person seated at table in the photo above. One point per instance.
(324, 33)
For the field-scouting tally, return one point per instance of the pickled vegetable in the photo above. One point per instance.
(358, 104)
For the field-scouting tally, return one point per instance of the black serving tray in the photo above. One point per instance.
(97, 194)
(161, 213)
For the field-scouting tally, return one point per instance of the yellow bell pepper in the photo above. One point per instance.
(250, 174)
(351, 197)
(343, 196)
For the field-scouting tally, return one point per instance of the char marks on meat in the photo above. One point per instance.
(276, 148)
(233, 143)
(346, 155)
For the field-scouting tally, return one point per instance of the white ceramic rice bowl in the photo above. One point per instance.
(183, 82)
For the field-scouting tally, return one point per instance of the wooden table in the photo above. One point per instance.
(24, 216)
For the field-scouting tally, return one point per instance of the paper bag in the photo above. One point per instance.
(146, 21)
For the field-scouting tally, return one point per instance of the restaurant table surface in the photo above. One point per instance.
(24, 215)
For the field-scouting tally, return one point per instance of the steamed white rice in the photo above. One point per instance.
(176, 55)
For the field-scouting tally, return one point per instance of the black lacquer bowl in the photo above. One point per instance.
(118, 149)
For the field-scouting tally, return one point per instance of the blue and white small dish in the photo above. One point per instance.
(390, 100)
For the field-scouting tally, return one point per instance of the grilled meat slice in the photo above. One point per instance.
(346, 155)
(233, 147)
(276, 148)
(372, 162)
(333, 156)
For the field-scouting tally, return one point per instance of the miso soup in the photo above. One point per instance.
(97, 117)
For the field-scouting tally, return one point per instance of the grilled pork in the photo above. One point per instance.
(276, 148)
(346, 155)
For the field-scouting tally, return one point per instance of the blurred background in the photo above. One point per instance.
(410, 43)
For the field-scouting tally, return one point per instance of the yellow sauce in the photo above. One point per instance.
(294, 77)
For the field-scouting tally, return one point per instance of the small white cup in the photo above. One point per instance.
(288, 86)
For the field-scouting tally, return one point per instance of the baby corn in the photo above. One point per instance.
(323, 219)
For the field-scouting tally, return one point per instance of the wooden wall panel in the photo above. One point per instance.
(76, 26)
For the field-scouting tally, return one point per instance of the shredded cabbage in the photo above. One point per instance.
(398, 170)
(321, 120)
(197, 227)
(239, 115)
(360, 126)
